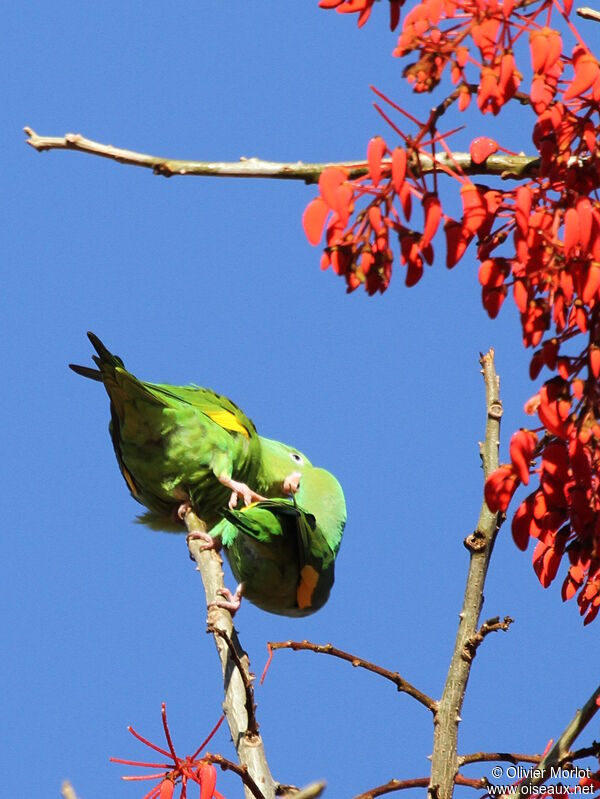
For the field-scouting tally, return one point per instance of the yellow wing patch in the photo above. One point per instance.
(129, 481)
(228, 421)
(309, 577)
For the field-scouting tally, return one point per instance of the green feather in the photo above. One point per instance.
(173, 443)
(284, 550)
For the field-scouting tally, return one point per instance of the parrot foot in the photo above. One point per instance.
(232, 601)
(291, 484)
(209, 541)
(183, 509)
(240, 490)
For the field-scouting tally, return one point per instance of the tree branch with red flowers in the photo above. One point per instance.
(538, 241)
(504, 165)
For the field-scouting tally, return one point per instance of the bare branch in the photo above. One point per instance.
(67, 791)
(444, 765)
(589, 13)
(516, 757)
(419, 782)
(394, 785)
(489, 626)
(559, 753)
(498, 757)
(241, 771)
(501, 164)
(246, 679)
(579, 754)
(393, 676)
(311, 791)
(248, 742)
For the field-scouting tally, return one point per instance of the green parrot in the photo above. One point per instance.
(282, 551)
(182, 446)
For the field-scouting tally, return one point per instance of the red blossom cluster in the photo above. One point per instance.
(539, 241)
(363, 8)
(191, 769)
(362, 252)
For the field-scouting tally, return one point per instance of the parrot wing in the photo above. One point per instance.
(278, 551)
(171, 442)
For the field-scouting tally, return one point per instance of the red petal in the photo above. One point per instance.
(481, 148)
(457, 241)
(329, 180)
(499, 488)
(474, 207)
(538, 44)
(398, 168)
(207, 774)
(343, 200)
(375, 150)
(521, 524)
(313, 220)
(587, 70)
(520, 295)
(523, 199)
(595, 361)
(591, 285)
(571, 231)
(586, 219)
(167, 788)
(522, 447)
(433, 213)
(492, 300)
(395, 6)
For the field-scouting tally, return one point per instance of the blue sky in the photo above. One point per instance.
(212, 281)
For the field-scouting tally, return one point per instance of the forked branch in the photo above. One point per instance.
(444, 765)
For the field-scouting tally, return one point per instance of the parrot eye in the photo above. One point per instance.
(295, 457)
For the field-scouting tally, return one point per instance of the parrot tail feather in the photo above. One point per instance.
(86, 371)
(104, 355)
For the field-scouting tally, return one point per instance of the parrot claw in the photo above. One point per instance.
(232, 601)
(240, 490)
(183, 510)
(291, 484)
(209, 541)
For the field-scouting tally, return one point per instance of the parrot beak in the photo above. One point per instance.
(291, 484)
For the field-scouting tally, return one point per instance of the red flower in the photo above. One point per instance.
(191, 768)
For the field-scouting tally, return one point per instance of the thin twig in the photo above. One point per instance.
(560, 752)
(393, 676)
(394, 785)
(502, 164)
(444, 765)
(67, 791)
(419, 782)
(498, 757)
(589, 13)
(241, 771)
(248, 743)
(517, 757)
(311, 791)
(489, 626)
(593, 750)
(246, 679)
